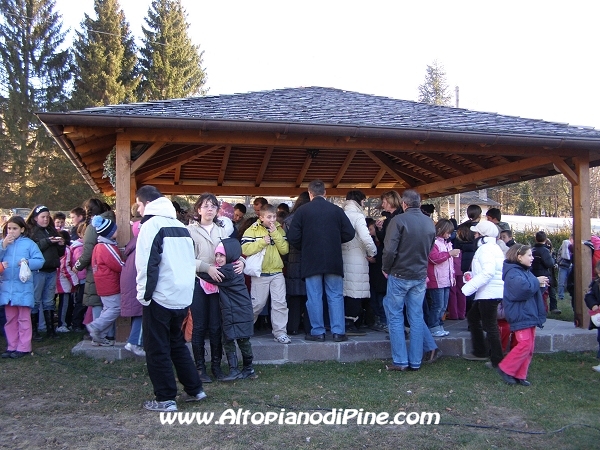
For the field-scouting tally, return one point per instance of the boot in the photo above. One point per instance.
(248, 369)
(49, 318)
(215, 362)
(234, 372)
(35, 319)
(200, 363)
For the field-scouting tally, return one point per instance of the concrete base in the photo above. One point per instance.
(554, 337)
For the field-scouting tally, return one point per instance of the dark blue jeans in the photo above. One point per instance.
(165, 347)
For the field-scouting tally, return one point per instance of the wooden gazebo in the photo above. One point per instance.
(276, 142)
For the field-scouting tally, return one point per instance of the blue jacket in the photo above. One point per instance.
(12, 289)
(522, 298)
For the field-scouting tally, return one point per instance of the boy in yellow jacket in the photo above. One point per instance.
(266, 233)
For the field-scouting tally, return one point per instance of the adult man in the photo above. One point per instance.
(258, 203)
(165, 279)
(408, 241)
(318, 230)
(239, 211)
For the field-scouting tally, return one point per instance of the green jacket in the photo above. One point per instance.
(253, 242)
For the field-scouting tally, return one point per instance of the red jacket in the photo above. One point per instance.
(107, 266)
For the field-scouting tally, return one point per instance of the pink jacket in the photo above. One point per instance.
(66, 279)
(77, 248)
(440, 267)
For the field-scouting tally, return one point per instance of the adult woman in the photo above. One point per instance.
(487, 285)
(52, 246)
(93, 207)
(294, 284)
(207, 231)
(524, 309)
(356, 265)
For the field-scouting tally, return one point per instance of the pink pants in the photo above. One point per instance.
(518, 359)
(18, 328)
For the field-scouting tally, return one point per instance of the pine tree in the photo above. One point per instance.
(34, 72)
(105, 57)
(435, 88)
(171, 65)
(527, 206)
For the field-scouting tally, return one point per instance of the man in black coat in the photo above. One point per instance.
(318, 230)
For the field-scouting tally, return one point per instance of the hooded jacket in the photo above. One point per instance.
(51, 250)
(440, 268)
(236, 305)
(12, 289)
(486, 266)
(253, 242)
(522, 300)
(164, 258)
(355, 252)
(107, 266)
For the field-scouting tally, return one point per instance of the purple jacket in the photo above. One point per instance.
(130, 306)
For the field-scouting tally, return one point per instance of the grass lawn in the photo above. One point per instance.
(55, 400)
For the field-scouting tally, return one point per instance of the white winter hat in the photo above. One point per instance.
(486, 228)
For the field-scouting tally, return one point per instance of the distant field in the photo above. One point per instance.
(546, 223)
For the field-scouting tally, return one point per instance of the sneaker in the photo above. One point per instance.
(17, 354)
(93, 333)
(283, 339)
(193, 398)
(556, 311)
(446, 333)
(489, 365)
(166, 406)
(63, 329)
(7, 354)
(102, 342)
(596, 368)
(439, 333)
(137, 350)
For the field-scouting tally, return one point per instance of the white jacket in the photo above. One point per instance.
(164, 258)
(355, 252)
(487, 272)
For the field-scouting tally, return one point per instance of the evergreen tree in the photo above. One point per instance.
(435, 88)
(105, 59)
(527, 206)
(34, 72)
(171, 65)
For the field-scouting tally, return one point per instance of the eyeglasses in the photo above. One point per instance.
(208, 206)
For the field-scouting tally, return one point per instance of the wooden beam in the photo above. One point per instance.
(480, 162)
(144, 157)
(183, 158)
(482, 175)
(332, 142)
(123, 190)
(177, 176)
(422, 165)
(89, 146)
(349, 157)
(390, 169)
(561, 166)
(304, 170)
(378, 178)
(446, 161)
(263, 166)
(399, 168)
(582, 230)
(224, 163)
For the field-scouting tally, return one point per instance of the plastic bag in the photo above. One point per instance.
(24, 272)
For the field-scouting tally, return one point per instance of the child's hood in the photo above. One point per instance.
(233, 249)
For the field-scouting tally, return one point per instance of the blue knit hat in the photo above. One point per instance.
(104, 227)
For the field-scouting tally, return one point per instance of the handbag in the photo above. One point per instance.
(24, 271)
(254, 262)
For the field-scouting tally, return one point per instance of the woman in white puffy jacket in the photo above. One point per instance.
(356, 264)
(487, 285)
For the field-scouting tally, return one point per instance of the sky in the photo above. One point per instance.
(533, 59)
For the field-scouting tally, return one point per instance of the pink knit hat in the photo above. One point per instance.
(220, 249)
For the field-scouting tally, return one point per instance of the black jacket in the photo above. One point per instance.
(51, 250)
(543, 262)
(236, 305)
(294, 284)
(318, 230)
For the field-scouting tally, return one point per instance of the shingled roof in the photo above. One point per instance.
(328, 106)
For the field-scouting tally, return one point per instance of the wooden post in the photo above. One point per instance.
(582, 231)
(123, 211)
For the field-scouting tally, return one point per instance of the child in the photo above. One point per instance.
(107, 267)
(440, 276)
(66, 283)
(592, 300)
(236, 309)
(524, 310)
(59, 219)
(17, 296)
(130, 306)
(78, 307)
(266, 233)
